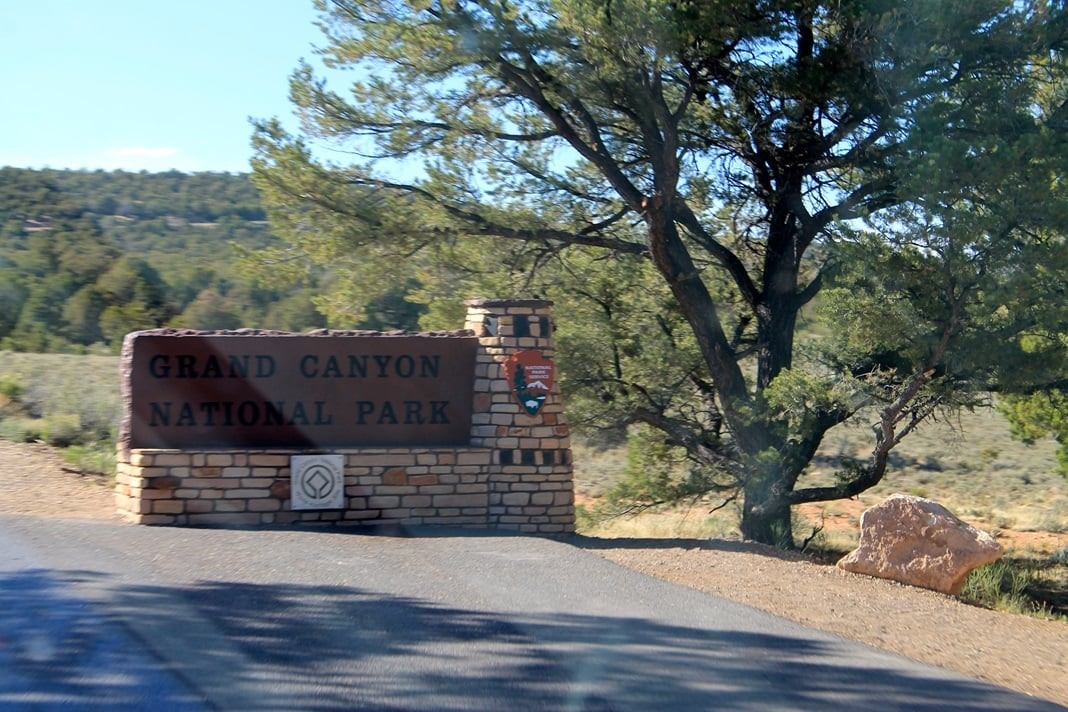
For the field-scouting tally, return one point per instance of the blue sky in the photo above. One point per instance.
(145, 84)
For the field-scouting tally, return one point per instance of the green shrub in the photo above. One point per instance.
(584, 519)
(22, 430)
(11, 387)
(97, 458)
(1000, 586)
(62, 429)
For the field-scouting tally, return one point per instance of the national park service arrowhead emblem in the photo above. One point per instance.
(530, 376)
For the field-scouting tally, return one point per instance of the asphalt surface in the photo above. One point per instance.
(95, 615)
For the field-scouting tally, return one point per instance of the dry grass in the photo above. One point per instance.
(86, 386)
(972, 465)
(69, 401)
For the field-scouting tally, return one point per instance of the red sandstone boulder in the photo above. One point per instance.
(919, 542)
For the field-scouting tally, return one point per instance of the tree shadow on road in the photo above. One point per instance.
(292, 646)
(57, 652)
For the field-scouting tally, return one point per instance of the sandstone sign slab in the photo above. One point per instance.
(239, 390)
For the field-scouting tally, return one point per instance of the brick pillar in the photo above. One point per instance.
(531, 487)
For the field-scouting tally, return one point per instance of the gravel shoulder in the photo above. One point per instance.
(1025, 654)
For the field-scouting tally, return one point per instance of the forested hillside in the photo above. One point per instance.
(86, 257)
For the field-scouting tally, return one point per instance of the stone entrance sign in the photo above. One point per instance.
(217, 391)
(460, 428)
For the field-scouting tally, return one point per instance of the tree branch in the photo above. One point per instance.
(727, 259)
(481, 226)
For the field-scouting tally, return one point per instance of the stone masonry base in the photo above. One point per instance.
(429, 486)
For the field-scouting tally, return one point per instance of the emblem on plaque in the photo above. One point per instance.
(530, 376)
(318, 482)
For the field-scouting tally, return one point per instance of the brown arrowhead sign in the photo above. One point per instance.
(530, 376)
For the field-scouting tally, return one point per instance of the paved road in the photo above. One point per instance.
(102, 616)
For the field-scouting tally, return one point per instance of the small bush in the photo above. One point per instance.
(1054, 521)
(22, 430)
(1003, 522)
(62, 430)
(1000, 586)
(584, 519)
(10, 387)
(97, 459)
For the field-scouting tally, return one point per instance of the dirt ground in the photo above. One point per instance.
(1026, 654)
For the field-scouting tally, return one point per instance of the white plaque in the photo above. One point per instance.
(318, 482)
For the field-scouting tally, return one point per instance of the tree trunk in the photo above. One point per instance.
(777, 314)
(765, 518)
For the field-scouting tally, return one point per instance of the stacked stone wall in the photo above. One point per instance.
(515, 473)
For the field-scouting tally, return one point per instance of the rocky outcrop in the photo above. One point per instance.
(919, 542)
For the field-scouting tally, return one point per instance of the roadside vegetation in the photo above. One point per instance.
(973, 465)
(67, 401)
(87, 256)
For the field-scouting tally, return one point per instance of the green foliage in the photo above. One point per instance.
(84, 388)
(96, 458)
(21, 429)
(658, 473)
(210, 310)
(393, 309)
(624, 347)
(795, 395)
(685, 180)
(11, 387)
(999, 586)
(61, 429)
(1039, 415)
(86, 257)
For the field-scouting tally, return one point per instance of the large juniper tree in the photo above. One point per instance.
(738, 164)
